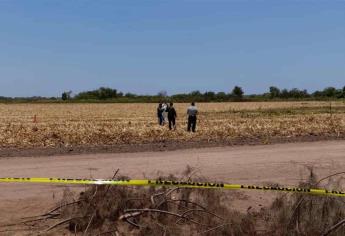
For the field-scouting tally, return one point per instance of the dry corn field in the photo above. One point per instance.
(58, 125)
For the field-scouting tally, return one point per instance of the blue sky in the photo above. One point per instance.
(145, 46)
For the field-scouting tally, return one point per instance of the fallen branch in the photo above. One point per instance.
(154, 210)
(329, 176)
(60, 223)
(109, 232)
(215, 228)
(132, 223)
(130, 215)
(59, 207)
(334, 227)
(88, 225)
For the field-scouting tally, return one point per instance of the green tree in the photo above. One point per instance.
(106, 93)
(66, 95)
(195, 93)
(221, 96)
(102, 93)
(296, 93)
(284, 93)
(274, 92)
(330, 92)
(317, 94)
(209, 96)
(237, 92)
(196, 96)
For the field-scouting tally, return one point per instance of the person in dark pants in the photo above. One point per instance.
(192, 112)
(160, 114)
(172, 116)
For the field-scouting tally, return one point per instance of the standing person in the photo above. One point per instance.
(165, 112)
(160, 114)
(192, 112)
(172, 116)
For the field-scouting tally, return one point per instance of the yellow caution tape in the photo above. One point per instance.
(172, 183)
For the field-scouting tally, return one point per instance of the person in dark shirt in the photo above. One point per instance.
(172, 116)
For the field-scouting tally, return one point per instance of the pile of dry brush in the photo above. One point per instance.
(115, 210)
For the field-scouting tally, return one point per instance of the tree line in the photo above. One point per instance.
(236, 94)
(105, 94)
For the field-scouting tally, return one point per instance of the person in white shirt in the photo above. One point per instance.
(165, 112)
(160, 114)
(192, 112)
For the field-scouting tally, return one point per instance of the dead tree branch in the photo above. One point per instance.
(334, 227)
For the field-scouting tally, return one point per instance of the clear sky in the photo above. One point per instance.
(145, 46)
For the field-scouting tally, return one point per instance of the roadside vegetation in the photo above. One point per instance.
(115, 210)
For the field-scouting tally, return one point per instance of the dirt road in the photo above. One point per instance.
(281, 163)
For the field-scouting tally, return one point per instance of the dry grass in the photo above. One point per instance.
(115, 210)
(110, 124)
(306, 214)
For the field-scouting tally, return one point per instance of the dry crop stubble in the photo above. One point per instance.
(66, 125)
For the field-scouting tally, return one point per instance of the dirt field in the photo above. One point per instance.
(285, 164)
(66, 126)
